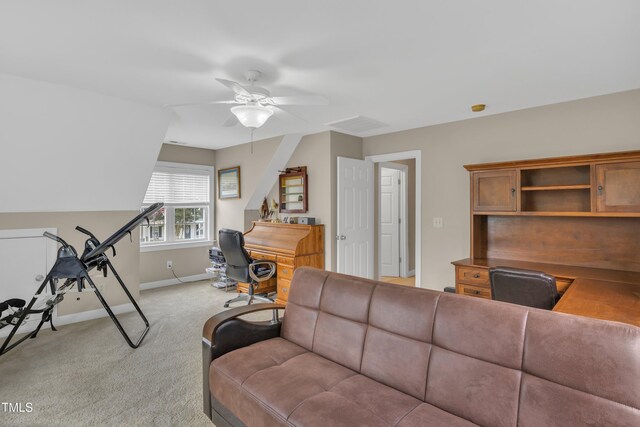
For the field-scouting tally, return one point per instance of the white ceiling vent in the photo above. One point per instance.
(356, 125)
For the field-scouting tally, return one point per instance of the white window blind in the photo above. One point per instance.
(178, 187)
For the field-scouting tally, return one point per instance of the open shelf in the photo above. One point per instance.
(566, 176)
(556, 189)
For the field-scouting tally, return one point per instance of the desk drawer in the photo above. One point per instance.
(286, 260)
(256, 255)
(265, 287)
(473, 276)
(473, 291)
(285, 271)
(283, 289)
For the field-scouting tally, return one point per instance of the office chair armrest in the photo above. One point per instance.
(252, 274)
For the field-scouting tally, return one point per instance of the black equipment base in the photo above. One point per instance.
(75, 271)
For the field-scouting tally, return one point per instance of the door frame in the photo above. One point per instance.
(403, 155)
(404, 217)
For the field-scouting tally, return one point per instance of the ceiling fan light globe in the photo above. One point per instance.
(252, 116)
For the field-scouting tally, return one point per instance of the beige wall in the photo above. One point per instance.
(313, 152)
(230, 212)
(600, 124)
(102, 224)
(191, 155)
(188, 261)
(318, 152)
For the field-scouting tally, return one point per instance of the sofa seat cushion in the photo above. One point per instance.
(276, 382)
(429, 415)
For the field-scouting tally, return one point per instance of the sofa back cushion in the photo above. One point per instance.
(474, 370)
(489, 362)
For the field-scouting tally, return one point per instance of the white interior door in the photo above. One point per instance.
(355, 217)
(25, 259)
(389, 245)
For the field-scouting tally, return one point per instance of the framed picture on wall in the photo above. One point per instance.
(229, 183)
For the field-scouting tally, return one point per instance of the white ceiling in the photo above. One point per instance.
(405, 63)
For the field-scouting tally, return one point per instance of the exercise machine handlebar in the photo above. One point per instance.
(85, 231)
(56, 238)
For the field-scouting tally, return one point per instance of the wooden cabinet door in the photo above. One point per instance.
(494, 191)
(618, 187)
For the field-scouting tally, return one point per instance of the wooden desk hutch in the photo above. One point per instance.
(572, 217)
(288, 245)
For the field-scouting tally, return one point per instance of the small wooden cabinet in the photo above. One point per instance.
(494, 191)
(618, 187)
(293, 188)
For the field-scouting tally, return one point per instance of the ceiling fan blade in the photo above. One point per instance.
(234, 86)
(201, 103)
(231, 121)
(283, 114)
(300, 100)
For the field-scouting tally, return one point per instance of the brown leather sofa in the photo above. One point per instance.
(354, 352)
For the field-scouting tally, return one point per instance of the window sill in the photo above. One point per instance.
(175, 245)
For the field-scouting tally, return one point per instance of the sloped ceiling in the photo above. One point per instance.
(66, 149)
(406, 63)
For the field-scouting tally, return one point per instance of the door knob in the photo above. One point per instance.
(39, 278)
(341, 237)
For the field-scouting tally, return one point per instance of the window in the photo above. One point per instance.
(185, 219)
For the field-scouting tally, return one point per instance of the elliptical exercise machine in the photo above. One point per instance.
(75, 272)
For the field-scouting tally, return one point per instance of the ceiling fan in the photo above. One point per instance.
(255, 104)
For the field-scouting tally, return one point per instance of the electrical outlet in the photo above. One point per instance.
(169, 264)
(437, 222)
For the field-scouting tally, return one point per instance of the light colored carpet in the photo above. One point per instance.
(85, 374)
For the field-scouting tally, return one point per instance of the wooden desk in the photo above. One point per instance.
(576, 218)
(602, 300)
(288, 245)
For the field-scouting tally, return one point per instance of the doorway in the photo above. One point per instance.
(392, 219)
(357, 246)
(398, 217)
(393, 222)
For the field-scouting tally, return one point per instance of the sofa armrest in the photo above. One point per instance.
(225, 332)
(213, 323)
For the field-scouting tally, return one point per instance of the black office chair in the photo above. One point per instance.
(523, 287)
(242, 268)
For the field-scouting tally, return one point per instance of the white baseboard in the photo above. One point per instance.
(69, 318)
(169, 282)
(411, 273)
(92, 314)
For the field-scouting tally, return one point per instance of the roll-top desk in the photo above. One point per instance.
(288, 245)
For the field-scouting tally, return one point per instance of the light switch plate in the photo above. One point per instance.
(437, 222)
